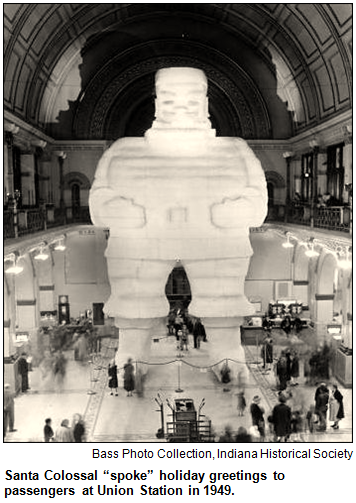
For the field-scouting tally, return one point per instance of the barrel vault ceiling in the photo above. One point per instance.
(86, 70)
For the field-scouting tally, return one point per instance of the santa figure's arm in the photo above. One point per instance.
(250, 208)
(107, 207)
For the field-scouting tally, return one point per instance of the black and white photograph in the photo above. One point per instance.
(177, 224)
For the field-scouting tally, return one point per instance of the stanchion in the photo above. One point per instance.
(179, 390)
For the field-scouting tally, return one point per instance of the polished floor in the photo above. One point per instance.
(110, 418)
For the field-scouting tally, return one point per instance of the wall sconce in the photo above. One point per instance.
(11, 128)
(39, 143)
(42, 255)
(311, 252)
(288, 244)
(60, 246)
(313, 144)
(15, 268)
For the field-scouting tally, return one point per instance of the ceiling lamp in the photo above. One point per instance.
(15, 268)
(287, 244)
(41, 255)
(311, 252)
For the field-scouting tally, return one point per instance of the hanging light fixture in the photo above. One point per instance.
(311, 252)
(42, 255)
(287, 244)
(15, 268)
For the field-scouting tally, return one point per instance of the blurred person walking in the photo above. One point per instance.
(22, 367)
(9, 409)
(257, 417)
(336, 406)
(321, 405)
(129, 379)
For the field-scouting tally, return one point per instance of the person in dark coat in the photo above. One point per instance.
(199, 333)
(298, 325)
(281, 419)
(286, 325)
(282, 371)
(321, 405)
(267, 324)
(22, 367)
(267, 352)
(9, 409)
(47, 430)
(78, 428)
(113, 383)
(129, 379)
(257, 413)
(336, 406)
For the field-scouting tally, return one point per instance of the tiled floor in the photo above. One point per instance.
(134, 419)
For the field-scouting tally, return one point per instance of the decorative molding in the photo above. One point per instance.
(243, 95)
(324, 296)
(276, 179)
(76, 177)
(23, 302)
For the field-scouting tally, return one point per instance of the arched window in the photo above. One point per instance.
(270, 191)
(75, 200)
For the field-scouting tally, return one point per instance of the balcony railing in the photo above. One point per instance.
(22, 222)
(334, 218)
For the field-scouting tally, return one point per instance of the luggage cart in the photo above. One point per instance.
(188, 424)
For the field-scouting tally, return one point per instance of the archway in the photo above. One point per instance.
(177, 289)
(325, 291)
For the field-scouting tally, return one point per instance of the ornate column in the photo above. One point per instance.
(315, 148)
(28, 177)
(10, 131)
(61, 156)
(348, 158)
(288, 157)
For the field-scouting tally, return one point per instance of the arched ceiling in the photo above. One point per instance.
(86, 71)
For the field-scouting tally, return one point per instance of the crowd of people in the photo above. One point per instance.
(292, 418)
(288, 422)
(181, 324)
(66, 431)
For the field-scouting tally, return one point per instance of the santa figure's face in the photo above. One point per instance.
(181, 98)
